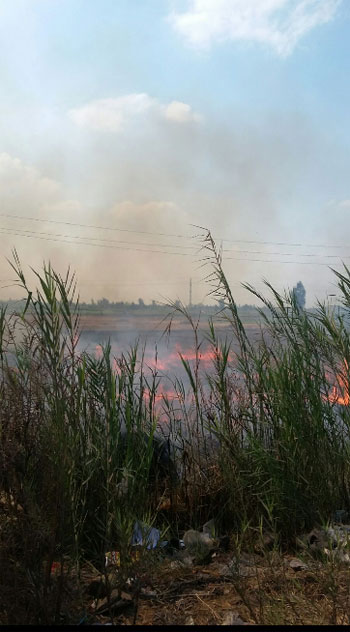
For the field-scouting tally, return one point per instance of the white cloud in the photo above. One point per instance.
(112, 115)
(180, 113)
(279, 24)
(25, 191)
(21, 184)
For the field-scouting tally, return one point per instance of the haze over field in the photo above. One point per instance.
(147, 118)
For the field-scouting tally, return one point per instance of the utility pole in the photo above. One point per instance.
(190, 301)
(331, 304)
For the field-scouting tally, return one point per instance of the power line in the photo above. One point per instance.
(81, 243)
(53, 237)
(34, 235)
(123, 230)
(116, 241)
(188, 237)
(298, 263)
(284, 243)
(287, 254)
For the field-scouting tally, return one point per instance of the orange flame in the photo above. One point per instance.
(168, 362)
(340, 390)
(98, 352)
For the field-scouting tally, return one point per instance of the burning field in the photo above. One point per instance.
(162, 355)
(116, 425)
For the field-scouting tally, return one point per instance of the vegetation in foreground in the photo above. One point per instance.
(262, 443)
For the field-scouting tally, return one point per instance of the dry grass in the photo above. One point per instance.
(273, 595)
(268, 592)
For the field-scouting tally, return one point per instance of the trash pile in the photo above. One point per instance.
(332, 540)
(195, 545)
(158, 573)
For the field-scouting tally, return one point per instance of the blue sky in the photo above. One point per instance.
(154, 115)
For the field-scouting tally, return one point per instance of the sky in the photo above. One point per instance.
(127, 124)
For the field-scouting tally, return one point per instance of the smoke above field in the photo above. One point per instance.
(157, 184)
(117, 140)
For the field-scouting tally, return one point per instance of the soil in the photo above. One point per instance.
(264, 589)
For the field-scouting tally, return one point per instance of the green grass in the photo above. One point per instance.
(71, 489)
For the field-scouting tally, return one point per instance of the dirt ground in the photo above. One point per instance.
(263, 589)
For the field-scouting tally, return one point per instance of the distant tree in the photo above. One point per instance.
(103, 302)
(299, 294)
(141, 302)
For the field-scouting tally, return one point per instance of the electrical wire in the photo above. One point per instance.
(188, 237)
(83, 243)
(288, 254)
(61, 238)
(116, 241)
(122, 230)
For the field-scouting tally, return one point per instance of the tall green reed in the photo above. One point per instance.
(290, 448)
(262, 440)
(77, 447)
